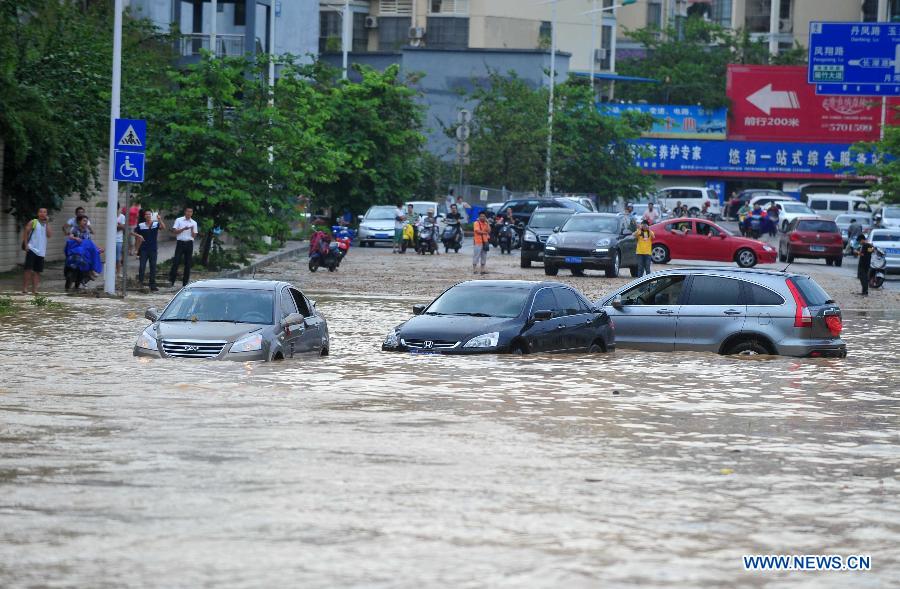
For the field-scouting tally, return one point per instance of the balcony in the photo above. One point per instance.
(226, 45)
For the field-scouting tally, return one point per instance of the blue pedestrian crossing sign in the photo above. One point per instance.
(128, 166)
(131, 134)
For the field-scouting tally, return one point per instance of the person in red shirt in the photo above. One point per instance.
(133, 216)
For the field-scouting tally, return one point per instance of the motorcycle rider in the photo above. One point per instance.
(455, 219)
(679, 210)
(866, 250)
(429, 221)
(853, 232)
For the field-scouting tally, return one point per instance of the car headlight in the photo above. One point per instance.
(147, 340)
(602, 242)
(487, 340)
(249, 343)
(529, 236)
(392, 341)
(768, 248)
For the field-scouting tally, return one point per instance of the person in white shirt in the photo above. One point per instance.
(120, 238)
(399, 220)
(34, 242)
(185, 230)
(651, 215)
(71, 222)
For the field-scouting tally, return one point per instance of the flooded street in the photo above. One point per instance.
(389, 470)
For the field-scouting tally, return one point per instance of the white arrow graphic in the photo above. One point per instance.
(765, 99)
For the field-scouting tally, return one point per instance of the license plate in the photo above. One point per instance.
(892, 250)
(817, 248)
(382, 235)
(424, 352)
(573, 260)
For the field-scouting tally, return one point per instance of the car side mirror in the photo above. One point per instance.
(152, 314)
(556, 229)
(293, 319)
(308, 321)
(598, 309)
(616, 302)
(360, 217)
(542, 315)
(418, 309)
(722, 236)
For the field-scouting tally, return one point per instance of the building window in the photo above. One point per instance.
(606, 48)
(870, 10)
(393, 32)
(720, 12)
(360, 33)
(449, 7)
(240, 13)
(447, 33)
(654, 15)
(545, 35)
(329, 31)
(758, 12)
(396, 8)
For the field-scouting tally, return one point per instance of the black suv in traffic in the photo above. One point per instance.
(540, 227)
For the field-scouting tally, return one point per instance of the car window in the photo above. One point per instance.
(714, 290)
(380, 214)
(680, 227)
(861, 206)
(300, 301)
(221, 304)
(475, 299)
(591, 224)
(839, 205)
(568, 301)
(287, 303)
(665, 290)
(797, 209)
(706, 229)
(811, 291)
(882, 237)
(817, 226)
(891, 212)
(542, 220)
(544, 300)
(818, 205)
(762, 296)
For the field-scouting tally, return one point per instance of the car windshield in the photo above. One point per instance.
(227, 305)
(811, 291)
(881, 237)
(799, 209)
(480, 301)
(422, 208)
(845, 219)
(548, 220)
(380, 214)
(892, 212)
(817, 226)
(591, 224)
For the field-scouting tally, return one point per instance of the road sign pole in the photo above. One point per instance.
(112, 199)
(883, 115)
(125, 238)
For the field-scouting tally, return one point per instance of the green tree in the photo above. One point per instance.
(376, 123)
(885, 164)
(691, 68)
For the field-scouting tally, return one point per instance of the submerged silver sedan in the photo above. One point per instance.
(235, 320)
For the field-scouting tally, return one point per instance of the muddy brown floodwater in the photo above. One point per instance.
(390, 470)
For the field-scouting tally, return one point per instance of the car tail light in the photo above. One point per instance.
(835, 325)
(795, 237)
(802, 316)
(837, 238)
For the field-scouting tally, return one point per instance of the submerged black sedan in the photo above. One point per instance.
(494, 316)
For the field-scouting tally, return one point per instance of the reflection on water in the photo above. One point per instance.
(367, 468)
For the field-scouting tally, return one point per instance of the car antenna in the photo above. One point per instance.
(783, 270)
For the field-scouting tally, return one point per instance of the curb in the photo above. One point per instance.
(267, 260)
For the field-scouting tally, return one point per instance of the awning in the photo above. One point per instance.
(617, 77)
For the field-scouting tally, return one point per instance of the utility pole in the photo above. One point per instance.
(774, 19)
(594, 45)
(547, 189)
(346, 35)
(112, 198)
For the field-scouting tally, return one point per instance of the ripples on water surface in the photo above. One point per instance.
(389, 470)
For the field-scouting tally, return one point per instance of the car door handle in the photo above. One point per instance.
(664, 311)
(732, 312)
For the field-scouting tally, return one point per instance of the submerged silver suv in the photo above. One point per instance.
(727, 311)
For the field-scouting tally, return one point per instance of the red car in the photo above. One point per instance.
(810, 237)
(695, 239)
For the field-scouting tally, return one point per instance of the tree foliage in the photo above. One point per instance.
(591, 151)
(691, 67)
(885, 164)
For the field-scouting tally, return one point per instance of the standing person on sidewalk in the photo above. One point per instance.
(481, 242)
(146, 235)
(185, 230)
(134, 217)
(34, 242)
(644, 247)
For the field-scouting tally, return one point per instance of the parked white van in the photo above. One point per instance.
(832, 205)
(691, 197)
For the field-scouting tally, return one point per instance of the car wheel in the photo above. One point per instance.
(313, 266)
(595, 349)
(577, 271)
(838, 261)
(550, 270)
(524, 263)
(660, 254)
(750, 347)
(745, 258)
(784, 226)
(613, 271)
(829, 261)
(633, 270)
(324, 352)
(790, 259)
(781, 256)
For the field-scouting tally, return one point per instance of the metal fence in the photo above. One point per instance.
(227, 45)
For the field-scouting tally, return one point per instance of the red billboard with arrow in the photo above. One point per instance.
(775, 103)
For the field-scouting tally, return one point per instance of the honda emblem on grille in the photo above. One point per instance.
(191, 348)
(428, 344)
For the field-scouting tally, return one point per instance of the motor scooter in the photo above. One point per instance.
(427, 242)
(452, 236)
(877, 269)
(321, 253)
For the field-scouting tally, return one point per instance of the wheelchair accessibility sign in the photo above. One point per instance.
(128, 166)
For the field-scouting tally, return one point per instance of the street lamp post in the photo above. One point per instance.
(547, 192)
(112, 198)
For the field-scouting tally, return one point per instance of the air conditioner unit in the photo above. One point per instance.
(599, 55)
(371, 22)
(416, 32)
(785, 25)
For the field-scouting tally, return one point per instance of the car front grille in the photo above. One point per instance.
(543, 238)
(421, 344)
(192, 349)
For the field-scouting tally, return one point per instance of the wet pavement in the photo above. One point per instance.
(390, 470)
